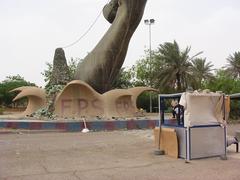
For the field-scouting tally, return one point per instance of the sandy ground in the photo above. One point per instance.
(232, 128)
(103, 156)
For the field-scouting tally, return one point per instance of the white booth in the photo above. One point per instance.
(199, 120)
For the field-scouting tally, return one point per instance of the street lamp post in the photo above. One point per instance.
(150, 22)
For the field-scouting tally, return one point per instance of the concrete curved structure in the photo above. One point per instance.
(36, 99)
(101, 66)
(137, 91)
(78, 99)
(118, 103)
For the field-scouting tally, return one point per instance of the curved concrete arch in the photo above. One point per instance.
(137, 91)
(125, 106)
(118, 103)
(78, 99)
(36, 99)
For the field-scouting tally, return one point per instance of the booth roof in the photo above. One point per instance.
(191, 94)
(235, 96)
(170, 95)
(205, 94)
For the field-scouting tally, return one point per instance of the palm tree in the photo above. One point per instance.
(233, 66)
(176, 69)
(202, 71)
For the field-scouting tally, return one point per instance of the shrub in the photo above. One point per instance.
(1, 110)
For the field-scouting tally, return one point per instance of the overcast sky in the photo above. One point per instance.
(31, 30)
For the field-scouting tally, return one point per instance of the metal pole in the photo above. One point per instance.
(150, 40)
(150, 62)
(159, 151)
(187, 159)
(150, 22)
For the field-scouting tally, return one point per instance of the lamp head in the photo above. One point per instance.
(152, 21)
(146, 21)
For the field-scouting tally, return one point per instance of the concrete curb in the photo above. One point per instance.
(78, 126)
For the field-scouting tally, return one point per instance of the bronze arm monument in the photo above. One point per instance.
(91, 93)
(101, 66)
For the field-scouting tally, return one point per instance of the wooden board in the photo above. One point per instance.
(168, 141)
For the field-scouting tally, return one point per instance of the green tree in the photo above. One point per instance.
(14, 78)
(145, 71)
(169, 70)
(53, 89)
(176, 67)
(142, 72)
(233, 66)
(226, 83)
(124, 79)
(10, 83)
(47, 72)
(223, 82)
(201, 71)
(72, 64)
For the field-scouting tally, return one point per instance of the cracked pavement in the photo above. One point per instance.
(102, 155)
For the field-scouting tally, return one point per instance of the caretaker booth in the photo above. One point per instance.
(192, 125)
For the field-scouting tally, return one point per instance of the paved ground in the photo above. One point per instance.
(103, 155)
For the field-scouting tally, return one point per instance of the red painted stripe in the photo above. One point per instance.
(13, 125)
(61, 126)
(151, 124)
(110, 126)
(36, 125)
(131, 124)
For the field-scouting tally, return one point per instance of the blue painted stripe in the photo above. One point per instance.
(167, 125)
(225, 140)
(203, 126)
(49, 125)
(120, 124)
(186, 144)
(3, 124)
(190, 144)
(23, 125)
(141, 124)
(96, 126)
(74, 126)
